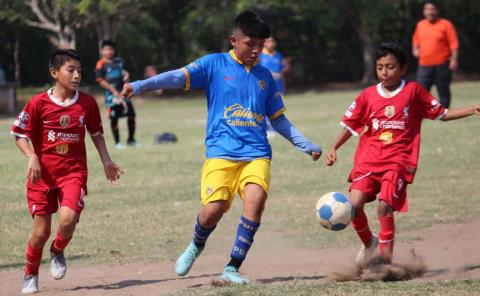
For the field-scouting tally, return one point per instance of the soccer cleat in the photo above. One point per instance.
(230, 275)
(58, 265)
(366, 253)
(133, 144)
(30, 284)
(185, 261)
(119, 146)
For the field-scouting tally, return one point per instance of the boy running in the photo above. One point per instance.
(55, 122)
(387, 153)
(240, 95)
(111, 75)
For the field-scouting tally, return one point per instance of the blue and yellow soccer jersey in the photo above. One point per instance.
(274, 63)
(112, 73)
(239, 98)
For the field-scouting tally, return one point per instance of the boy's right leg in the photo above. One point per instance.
(360, 224)
(207, 220)
(38, 238)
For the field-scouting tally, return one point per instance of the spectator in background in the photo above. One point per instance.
(271, 59)
(435, 44)
(111, 75)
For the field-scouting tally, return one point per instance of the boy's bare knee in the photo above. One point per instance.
(383, 209)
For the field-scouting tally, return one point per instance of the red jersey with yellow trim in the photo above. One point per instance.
(392, 140)
(57, 132)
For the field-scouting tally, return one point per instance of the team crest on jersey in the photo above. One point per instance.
(262, 84)
(61, 148)
(64, 120)
(386, 137)
(389, 111)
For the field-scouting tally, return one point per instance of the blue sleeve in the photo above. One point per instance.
(167, 80)
(280, 61)
(275, 106)
(285, 128)
(197, 73)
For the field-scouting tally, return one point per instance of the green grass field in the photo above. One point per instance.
(150, 215)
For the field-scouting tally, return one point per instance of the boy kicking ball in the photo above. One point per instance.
(240, 95)
(55, 122)
(387, 153)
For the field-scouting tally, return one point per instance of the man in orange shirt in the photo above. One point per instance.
(435, 44)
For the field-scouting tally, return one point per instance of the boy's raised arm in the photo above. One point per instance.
(285, 128)
(167, 80)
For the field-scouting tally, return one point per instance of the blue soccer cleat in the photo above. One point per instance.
(185, 261)
(230, 275)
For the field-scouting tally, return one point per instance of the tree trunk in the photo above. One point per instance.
(16, 57)
(368, 49)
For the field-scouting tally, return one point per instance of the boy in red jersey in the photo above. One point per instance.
(55, 122)
(387, 153)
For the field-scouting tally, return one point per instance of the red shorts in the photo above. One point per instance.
(391, 186)
(45, 202)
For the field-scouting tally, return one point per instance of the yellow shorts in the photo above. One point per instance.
(222, 179)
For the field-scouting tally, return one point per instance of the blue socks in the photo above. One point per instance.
(243, 241)
(201, 234)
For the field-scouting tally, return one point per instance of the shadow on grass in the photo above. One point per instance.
(44, 261)
(131, 283)
(279, 279)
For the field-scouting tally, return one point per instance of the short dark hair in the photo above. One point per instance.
(393, 48)
(434, 3)
(252, 25)
(109, 43)
(61, 56)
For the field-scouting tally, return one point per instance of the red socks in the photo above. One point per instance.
(386, 237)
(360, 224)
(34, 257)
(59, 244)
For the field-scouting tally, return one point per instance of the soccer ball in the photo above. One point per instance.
(334, 211)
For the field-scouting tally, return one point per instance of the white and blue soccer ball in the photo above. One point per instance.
(334, 211)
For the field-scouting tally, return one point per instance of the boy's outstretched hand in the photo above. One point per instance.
(127, 90)
(112, 172)
(330, 157)
(316, 155)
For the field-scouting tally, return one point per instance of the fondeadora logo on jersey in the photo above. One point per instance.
(64, 120)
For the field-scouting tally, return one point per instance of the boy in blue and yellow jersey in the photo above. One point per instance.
(271, 59)
(240, 95)
(111, 75)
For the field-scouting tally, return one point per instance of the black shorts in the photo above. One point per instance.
(123, 109)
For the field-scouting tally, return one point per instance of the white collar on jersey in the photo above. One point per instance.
(392, 94)
(60, 103)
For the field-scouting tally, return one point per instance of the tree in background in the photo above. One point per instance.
(59, 18)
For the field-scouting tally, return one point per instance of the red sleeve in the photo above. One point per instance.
(93, 120)
(27, 120)
(426, 106)
(354, 117)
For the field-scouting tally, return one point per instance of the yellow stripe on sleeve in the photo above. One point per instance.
(187, 79)
(278, 113)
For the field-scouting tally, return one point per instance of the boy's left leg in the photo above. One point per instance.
(131, 124)
(254, 198)
(71, 205)
(393, 197)
(386, 234)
